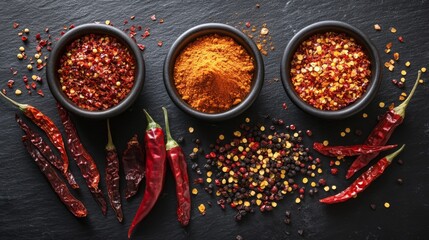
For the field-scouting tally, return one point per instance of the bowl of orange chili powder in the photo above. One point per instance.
(331, 70)
(213, 72)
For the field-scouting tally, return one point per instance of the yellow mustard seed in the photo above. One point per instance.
(22, 49)
(36, 56)
(364, 115)
(118, 83)
(262, 128)
(342, 134)
(392, 30)
(247, 120)
(381, 104)
(423, 69)
(297, 200)
(18, 92)
(274, 204)
(313, 184)
(333, 187)
(194, 191)
(326, 188)
(347, 130)
(407, 64)
(209, 180)
(195, 150)
(337, 163)
(403, 72)
(221, 137)
(39, 61)
(19, 56)
(387, 205)
(30, 67)
(325, 143)
(305, 180)
(202, 209)
(191, 129)
(107, 22)
(402, 79)
(209, 173)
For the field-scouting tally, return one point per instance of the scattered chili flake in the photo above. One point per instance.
(141, 46)
(40, 92)
(24, 38)
(153, 17)
(377, 27)
(38, 36)
(160, 43)
(15, 25)
(318, 64)
(33, 85)
(10, 83)
(401, 39)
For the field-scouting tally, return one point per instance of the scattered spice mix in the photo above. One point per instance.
(330, 71)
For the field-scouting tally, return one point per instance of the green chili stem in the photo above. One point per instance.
(21, 106)
(400, 109)
(150, 122)
(171, 143)
(110, 146)
(391, 156)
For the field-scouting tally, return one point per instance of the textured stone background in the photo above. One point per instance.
(29, 208)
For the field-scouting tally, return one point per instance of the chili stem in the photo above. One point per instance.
(391, 156)
(110, 146)
(171, 143)
(151, 124)
(21, 106)
(400, 109)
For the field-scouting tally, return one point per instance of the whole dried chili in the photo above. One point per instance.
(363, 181)
(47, 125)
(177, 161)
(382, 131)
(112, 176)
(155, 170)
(133, 164)
(74, 205)
(83, 159)
(353, 150)
(46, 151)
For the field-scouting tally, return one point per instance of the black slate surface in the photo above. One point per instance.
(29, 209)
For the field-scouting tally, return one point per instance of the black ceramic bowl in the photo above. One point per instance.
(361, 38)
(58, 51)
(221, 29)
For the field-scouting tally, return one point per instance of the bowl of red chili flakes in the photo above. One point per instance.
(96, 71)
(331, 70)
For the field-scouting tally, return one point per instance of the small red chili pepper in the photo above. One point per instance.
(155, 170)
(178, 166)
(83, 159)
(46, 151)
(363, 181)
(133, 162)
(382, 131)
(112, 175)
(73, 205)
(47, 125)
(353, 150)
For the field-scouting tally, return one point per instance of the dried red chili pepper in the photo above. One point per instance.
(346, 151)
(47, 125)
(83, 159)
(112, 176)
(46, 151)
(382, 131)
(73, 205)
(177, 161)
(363, 181)
(155, 170)
(133, 164)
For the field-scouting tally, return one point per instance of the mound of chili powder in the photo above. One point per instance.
(260, 166)
(96, 72)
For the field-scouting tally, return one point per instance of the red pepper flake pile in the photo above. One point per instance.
(259, 166)
(96, 72)
(330, 71)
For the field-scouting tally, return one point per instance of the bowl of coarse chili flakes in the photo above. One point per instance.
(331, 70)
(96, 71)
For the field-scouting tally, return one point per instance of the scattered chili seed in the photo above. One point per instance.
(153, 17)
(407, 63)
(15, 25)
(347, 130)
(30, 67)
(396, 56)
(160, 43)
(392, 30)
(401, 39)
(403, 72)
(18, 92)
(19, 56)
(24, 38)
(381, 104)
(300, 232)
(387, 205)
(191, 129)
(202, 209)
(342, 134)
(318, 64)
(325, 143)
(364, 115)
(377, 27)
(10, 83)
(40, 92)
(194, 191)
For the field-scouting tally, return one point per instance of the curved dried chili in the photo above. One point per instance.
(73, 205)
(346, 151)
(112, 176)
(382, 131)
(47, 125)
(133, 165)
(83, 159)
(155, 170)
(177, 161)
(363, 181)
(46, 151)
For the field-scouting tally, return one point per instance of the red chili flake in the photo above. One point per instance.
(160, 43)
(141, 46)
(71, 26)
(40, 92)
(38, 79)
(334, 171)
(10, 83)
(15, 25)
(49, 48)
(13, 71)
(133, 28)
(46, 30)
(33, 85)
(146, 33)
(42, 43)
(248, 24)
(401, 39)
(309, 133)
(153, 17)
(27, 86)
(38, 36)
(24, 38)
(125, 22)
(284, 106)
(62, 33)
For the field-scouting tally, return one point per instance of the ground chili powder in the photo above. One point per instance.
(213, 73)
(96, 72)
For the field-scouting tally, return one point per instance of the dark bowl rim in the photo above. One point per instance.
(213, 28)
(361, 38)
(103, 29)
